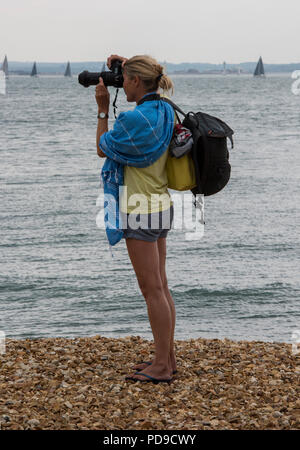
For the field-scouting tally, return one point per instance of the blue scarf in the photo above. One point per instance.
(138, 139)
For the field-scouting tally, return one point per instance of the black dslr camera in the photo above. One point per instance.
(114, 77)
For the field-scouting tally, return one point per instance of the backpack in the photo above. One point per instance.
(209, 151)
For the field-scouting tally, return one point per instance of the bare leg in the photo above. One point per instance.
(146, 263)
(162, 247)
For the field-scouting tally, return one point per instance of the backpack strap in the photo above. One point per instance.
(155, 96)
(149, 98)
(195, 131)
(193, 121)
(175, 107)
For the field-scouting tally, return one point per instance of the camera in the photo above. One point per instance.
(114, 77)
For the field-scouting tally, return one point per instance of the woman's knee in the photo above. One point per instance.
(151, 287)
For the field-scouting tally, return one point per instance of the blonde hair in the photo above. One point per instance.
(150, 72)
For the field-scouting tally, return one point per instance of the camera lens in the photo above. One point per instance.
(114, 77)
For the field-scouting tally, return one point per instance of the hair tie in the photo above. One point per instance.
(159, 76)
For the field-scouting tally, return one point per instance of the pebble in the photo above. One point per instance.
(5, 418)
(220, 384)
(253, 380)
(68, 404)
(33, 422)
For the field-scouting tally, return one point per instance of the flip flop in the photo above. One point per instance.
(149, 364)
(151, 379)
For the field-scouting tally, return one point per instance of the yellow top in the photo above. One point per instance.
(147, 188)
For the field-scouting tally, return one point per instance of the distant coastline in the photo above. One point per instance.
(24, 68)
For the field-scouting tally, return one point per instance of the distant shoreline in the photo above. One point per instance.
(25, 68)
(171, 74)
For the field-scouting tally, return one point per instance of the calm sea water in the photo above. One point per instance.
(57, 275)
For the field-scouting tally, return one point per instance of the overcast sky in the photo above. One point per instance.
(171, 30)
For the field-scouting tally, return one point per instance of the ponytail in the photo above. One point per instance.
(166, 84)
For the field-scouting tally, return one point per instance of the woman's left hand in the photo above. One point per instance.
(102, 96)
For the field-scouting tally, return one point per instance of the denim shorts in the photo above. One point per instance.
(147, 227)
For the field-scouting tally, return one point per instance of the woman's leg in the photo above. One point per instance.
(162, 250)
(146, 263)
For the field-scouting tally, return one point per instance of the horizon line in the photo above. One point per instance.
(164, 62)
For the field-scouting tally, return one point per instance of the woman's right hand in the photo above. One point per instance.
(114, 57)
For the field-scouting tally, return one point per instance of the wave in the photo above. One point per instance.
(270, 290)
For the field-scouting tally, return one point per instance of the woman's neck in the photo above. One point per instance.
(142, 94)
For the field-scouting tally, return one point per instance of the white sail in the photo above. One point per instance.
(5, 66)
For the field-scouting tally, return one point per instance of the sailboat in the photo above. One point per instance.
(5, 67)
(34, 71)
(68, 70)
(259, 70)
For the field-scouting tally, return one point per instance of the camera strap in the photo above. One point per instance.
(151, 97)
(115, 102)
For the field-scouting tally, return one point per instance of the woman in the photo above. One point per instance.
(143, 77)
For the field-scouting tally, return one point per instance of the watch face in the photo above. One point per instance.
(102, 115)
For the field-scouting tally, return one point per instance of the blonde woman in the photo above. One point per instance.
(147, 131)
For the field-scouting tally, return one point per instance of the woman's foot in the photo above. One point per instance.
(145, 364)
(142, 366)
(159, 372)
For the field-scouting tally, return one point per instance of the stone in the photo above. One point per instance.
(61, 383)
(33, 422)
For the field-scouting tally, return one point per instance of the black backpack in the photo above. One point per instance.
(209, 152)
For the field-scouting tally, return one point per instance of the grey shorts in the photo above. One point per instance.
(147, 227)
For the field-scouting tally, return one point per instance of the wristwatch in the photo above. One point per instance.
(102, 115)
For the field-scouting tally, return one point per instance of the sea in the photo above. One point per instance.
(58, 277)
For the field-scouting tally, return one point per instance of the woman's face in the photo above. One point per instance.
(129, 86)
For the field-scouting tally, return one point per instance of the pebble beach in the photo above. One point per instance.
(71, 384)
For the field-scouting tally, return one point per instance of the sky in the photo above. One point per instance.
(170, 30)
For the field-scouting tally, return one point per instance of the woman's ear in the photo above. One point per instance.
(136, 80)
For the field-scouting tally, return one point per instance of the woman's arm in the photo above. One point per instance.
(101, 128)
(102, 99)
